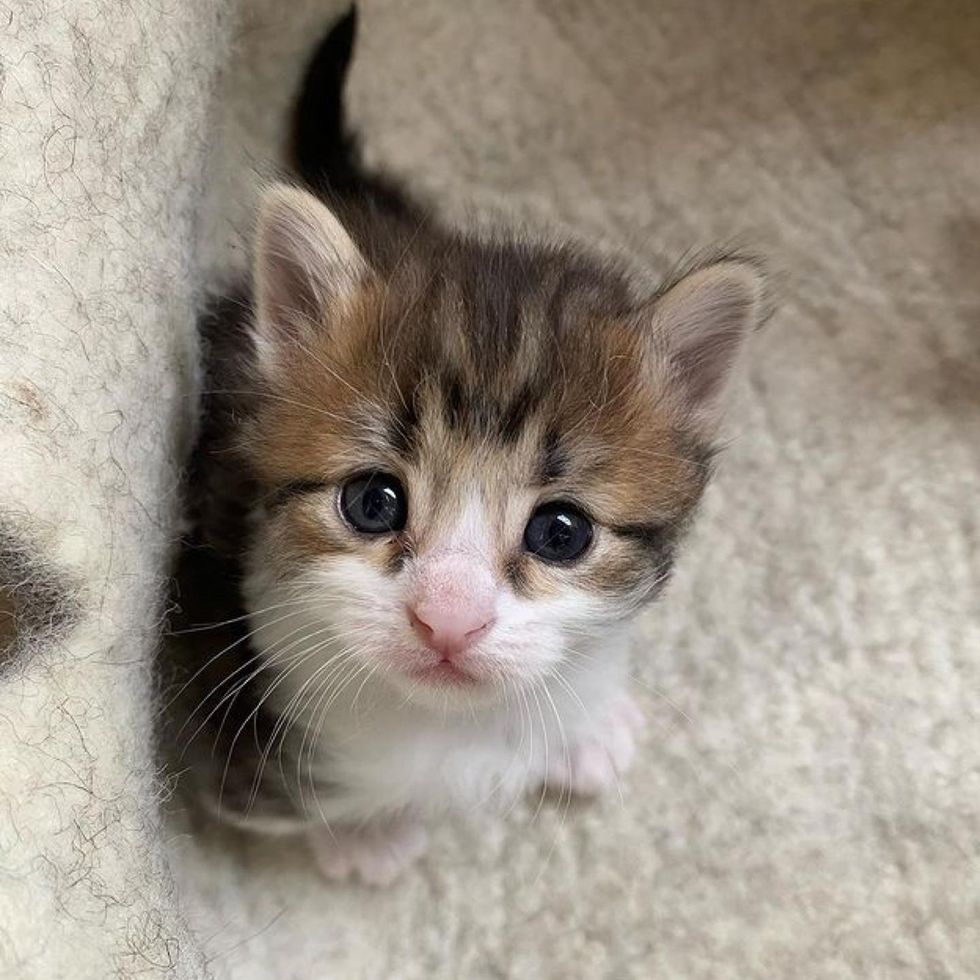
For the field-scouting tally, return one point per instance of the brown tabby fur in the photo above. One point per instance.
(470, 367)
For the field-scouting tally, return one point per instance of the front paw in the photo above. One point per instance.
(376, 854)
(595, 761)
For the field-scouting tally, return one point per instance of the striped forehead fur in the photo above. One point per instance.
(487, 367)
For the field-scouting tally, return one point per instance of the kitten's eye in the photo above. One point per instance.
(374, 503)
(558, 532)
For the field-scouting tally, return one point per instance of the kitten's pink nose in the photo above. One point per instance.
(449, 628)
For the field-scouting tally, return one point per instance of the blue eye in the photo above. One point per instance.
(374, 503)
(558, 532)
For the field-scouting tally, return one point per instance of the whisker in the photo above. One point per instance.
(228, 677)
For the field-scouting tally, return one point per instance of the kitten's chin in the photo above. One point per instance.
(447, 685)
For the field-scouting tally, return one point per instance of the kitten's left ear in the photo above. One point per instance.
(700, 325)
(305, 264)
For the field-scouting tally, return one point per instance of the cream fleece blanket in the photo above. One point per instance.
(101, 161)
(807, 801)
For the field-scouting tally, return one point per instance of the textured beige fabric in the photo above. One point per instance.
(807, 799)
(102, 112)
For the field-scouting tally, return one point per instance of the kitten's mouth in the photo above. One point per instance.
(446, 674)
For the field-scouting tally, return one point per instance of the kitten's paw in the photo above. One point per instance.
(595, 762)
(376, 854)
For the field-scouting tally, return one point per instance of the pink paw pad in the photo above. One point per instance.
(375, 855)
(594, 763)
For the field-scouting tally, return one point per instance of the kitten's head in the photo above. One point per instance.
(480, 456)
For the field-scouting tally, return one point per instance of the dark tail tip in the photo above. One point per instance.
(323, 151)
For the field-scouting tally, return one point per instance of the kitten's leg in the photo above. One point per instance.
(600, 752)
(376, 852)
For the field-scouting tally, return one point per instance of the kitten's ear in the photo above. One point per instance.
(700, 325)
(305, 263)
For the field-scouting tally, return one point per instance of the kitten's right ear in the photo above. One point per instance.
(305, 265)
(700, 325)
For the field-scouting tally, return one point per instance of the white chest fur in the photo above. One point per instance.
(378, 753)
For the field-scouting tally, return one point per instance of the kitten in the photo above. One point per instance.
(437, 478)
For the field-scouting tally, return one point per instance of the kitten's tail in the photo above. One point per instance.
(325, 153)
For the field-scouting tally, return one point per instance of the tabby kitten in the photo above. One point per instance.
(439, 475)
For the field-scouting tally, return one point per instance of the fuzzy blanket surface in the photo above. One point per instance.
(807, 798)
(102, 110)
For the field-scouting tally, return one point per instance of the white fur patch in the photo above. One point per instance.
(345, 658)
